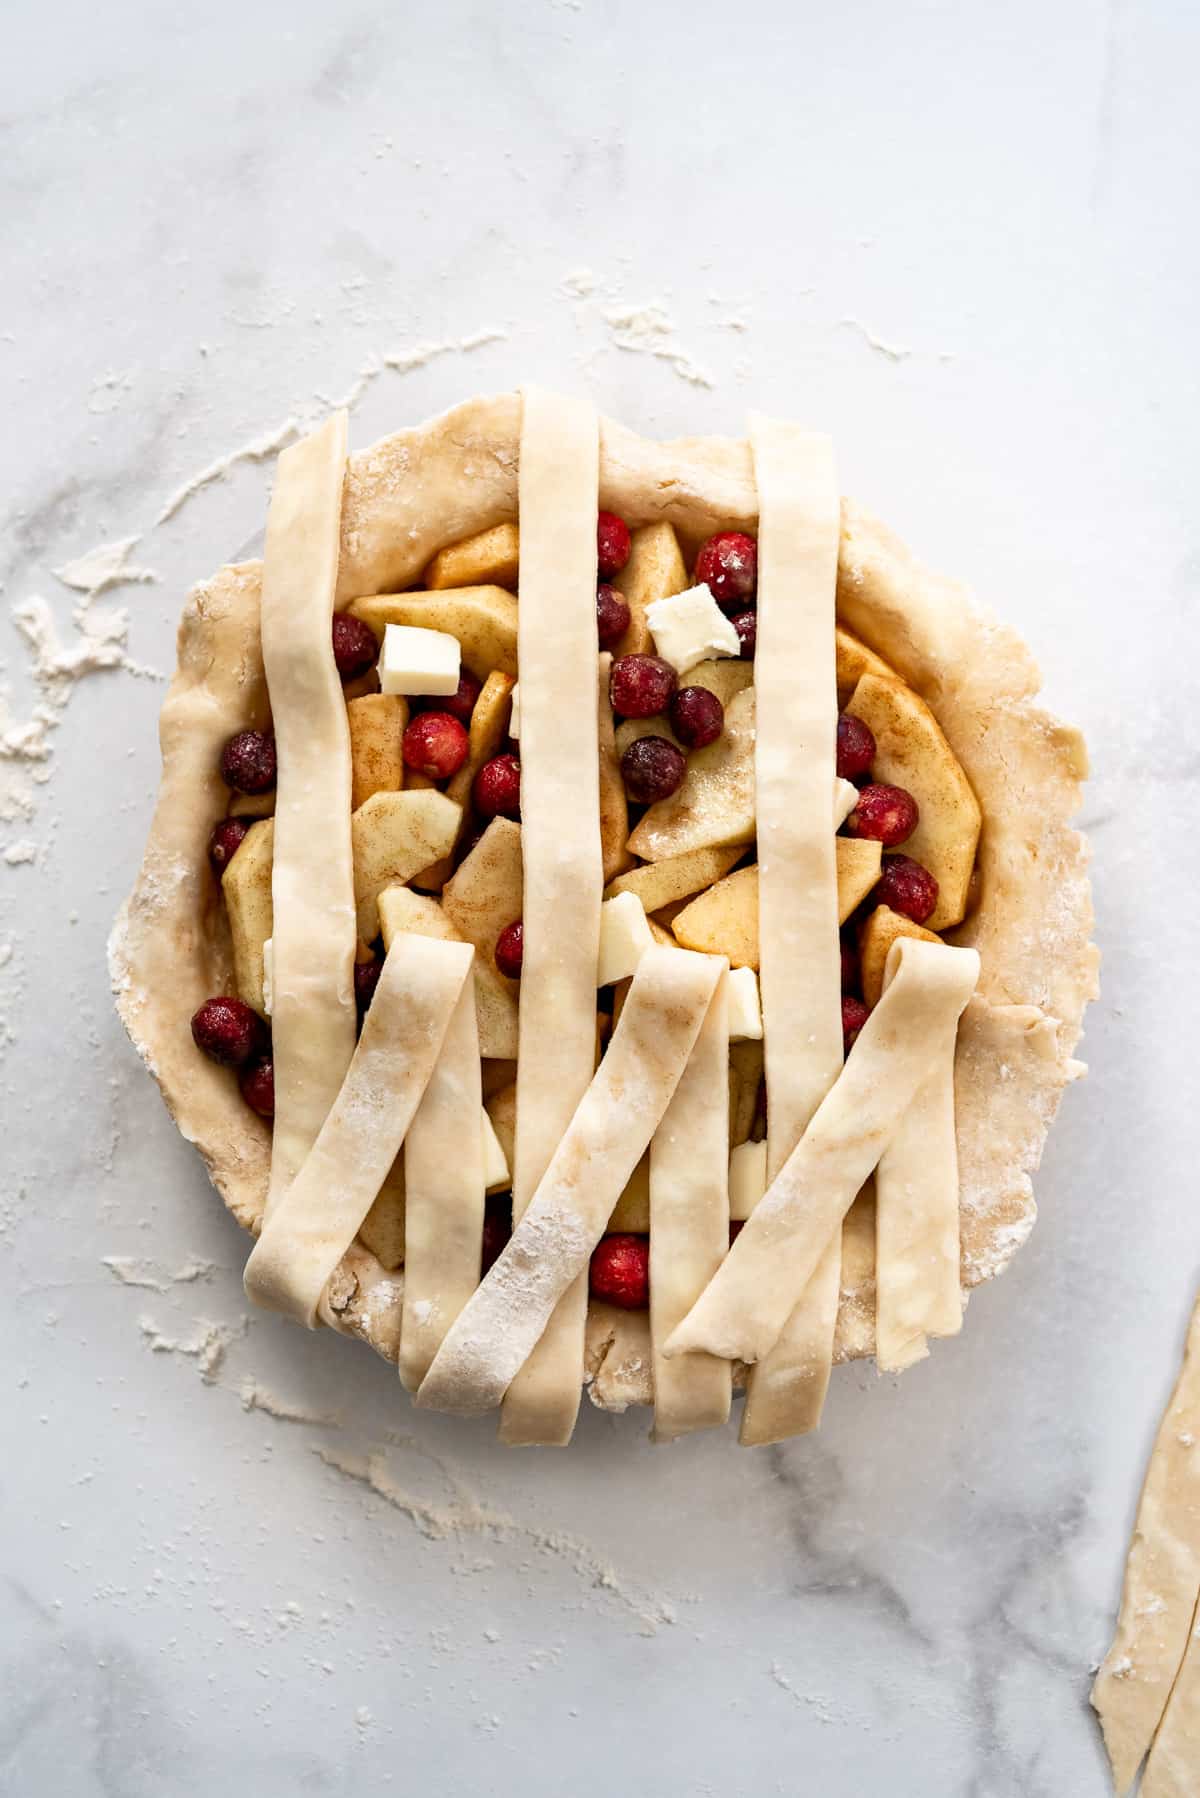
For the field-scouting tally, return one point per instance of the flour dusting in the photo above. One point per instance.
(895, 352)
(649, 330)
(104, 566)
(256, 1397)
(207, 1347)
(257, 450)
(139, 1270)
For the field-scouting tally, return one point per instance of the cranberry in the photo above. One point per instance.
(248, 761)
(849, 968)
(224, 843)
(228, 1031)
(854, 1016)
(855, 746)
(497, 790)
(652, 769)
(510, 950)
(907, 887)
(366, 979)
(620, 1272)
(354, 646)
(885, 814)
(612, 615)
(258, 1086)
(728, 566)
(736, 1226)
(435, 744)
(746, 626)
(497, 1228)
(459, 704)
(612, 544)
(697, 716)
(641, 686)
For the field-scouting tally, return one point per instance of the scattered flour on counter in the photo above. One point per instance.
(895, 352)
(404, 361)
(17, 854)
(649, 330)
(462, 1514)
(579, 284)
(207, 1347)
(256, 1397)
(820, 1707)
(139, 1270)
(257, 450)
(107, 565)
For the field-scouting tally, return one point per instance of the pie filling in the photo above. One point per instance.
(669, 900)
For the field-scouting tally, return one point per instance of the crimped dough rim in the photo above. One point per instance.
(408, 496)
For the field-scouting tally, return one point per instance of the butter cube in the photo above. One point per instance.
(514, 721)
(747, 1179)
(745, 1009)
(624, 937)
(268, 975)
(690, 627)
(845, 798)
(495, 1165)
(419, 661)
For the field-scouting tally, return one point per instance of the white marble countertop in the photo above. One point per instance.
(960, 238)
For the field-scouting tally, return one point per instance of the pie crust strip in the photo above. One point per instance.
(444, 1195)
(795, 773)
(744, 1309)
(1174, 1764)
(1162, 1577)
(548, 1252)
(319, 1216)
(557, 651)
(312, 880)
(689, 1227)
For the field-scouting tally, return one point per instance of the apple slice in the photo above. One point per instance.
(251, 805)
(489, 724)
(714, 806)
(630, 730)
(394, 836)
(246, 887)
(632, 1210)
(724, 921)
(486, 894)
(501, 1107)
(881, 930)
(725, 677)
(911, 752)
(614, 806)
(496, 1075)
(400, 910)
(382, 1230)
(484, 619)
(854, 660)
(745, 1076)
(659, 884)
(489, 559)
(655, 570)
(377, 722)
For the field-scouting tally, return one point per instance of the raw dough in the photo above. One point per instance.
(549, 1249)
(1173, 1769)
(316, 1220)
(746, 1306)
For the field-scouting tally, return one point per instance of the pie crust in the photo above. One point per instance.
(424, 489)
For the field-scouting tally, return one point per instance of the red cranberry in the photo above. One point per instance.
(849, 968)
(258, 1086)
(459, 704)
(354, 646)
(366, 979)
(884, 814)
(854, 1016)
(510, 950)
(228, 1031)
(641, 686)
(907, 887)
(746, 626)
(620, 1271)
(248, 761)
(736, 1226)
(224, 843)
(697, 716)
(497, 790)
(855, 746)
(612, 544)
(497, 1228)
(652, 769)
(728, 566)
(612, 615)
(435, 745)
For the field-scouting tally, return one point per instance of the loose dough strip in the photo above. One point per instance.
(444, 1196)
(560, 843)
(799, 957)
(1173, 1769)
(744, 1309)
(689, 1226)
(1162, 1576)
(312, 880)
(547, 1255)
(318, 1217)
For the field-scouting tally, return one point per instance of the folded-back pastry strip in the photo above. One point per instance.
(746, 1306)
(502, 1322)
(444, 1195)
(795, 765)
(318, 1217)
(689, 1226)
(560, 841)
(312, 881)
(918, 1293)
(1162, 1577)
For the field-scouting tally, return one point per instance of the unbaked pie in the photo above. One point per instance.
(611, 918)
